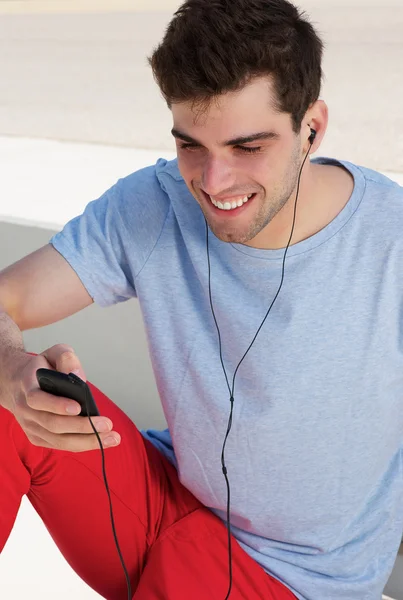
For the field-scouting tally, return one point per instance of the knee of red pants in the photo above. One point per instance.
(192, 561)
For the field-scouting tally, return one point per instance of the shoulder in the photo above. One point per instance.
(375, 181)
(381, 183)
(383, 199)
(379, 193)
(155, 180)
(153, 193)
(146, 194)
(382, 212)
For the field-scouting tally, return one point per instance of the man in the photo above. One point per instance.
(271, 290)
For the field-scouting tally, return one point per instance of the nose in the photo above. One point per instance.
(217, 176)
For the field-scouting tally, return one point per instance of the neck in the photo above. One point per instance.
(277, 233)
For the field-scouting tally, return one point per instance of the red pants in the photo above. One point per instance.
(174, 547)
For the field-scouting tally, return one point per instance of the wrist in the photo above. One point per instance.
(10, 377)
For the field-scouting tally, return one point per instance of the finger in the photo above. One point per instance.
(58, 405)
(63, 424)
(84, 443)
(71, 442)
(64, 359)
(74, 442)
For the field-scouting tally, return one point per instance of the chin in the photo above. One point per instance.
(232, 237)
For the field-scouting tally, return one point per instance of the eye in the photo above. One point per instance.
(188, 146)
(246, 149)
(249, 150)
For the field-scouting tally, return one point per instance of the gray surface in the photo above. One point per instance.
(111, 342)
(394, 587)
(85, 77)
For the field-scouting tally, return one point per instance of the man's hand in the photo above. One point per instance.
(51, 421)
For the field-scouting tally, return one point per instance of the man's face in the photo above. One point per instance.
(224, 166)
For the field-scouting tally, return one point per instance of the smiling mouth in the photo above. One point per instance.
(230, 204)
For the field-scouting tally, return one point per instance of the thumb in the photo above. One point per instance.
(64, 359)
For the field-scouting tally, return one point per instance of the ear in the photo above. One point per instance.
(317, 118)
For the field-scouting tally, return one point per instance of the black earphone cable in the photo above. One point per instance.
(232, 390)
(112, 519)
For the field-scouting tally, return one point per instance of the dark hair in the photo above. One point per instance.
(216, 46)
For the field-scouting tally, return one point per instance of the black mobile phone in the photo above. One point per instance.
(68, 386)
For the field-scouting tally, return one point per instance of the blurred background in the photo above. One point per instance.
(81, 74)
(79, 109)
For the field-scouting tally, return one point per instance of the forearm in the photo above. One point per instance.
(12, 355)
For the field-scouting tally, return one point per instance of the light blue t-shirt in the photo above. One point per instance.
(314, 456)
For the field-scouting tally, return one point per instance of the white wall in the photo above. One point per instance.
(31, 567)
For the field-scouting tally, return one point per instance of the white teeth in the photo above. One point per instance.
(231, 205)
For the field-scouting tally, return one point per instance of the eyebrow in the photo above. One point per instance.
(263, 135)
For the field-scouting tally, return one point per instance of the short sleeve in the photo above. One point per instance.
(108, 245)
